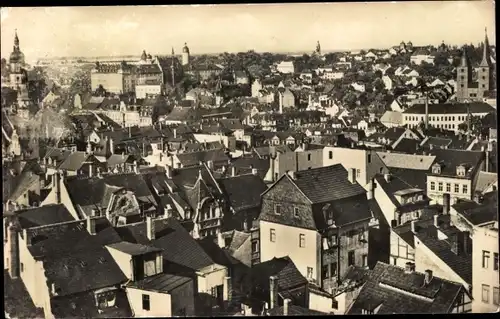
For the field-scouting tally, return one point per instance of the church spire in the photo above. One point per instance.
(16, 41)
(464, 61)
(486, 50)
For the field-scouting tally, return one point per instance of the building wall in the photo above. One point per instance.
(437, 196)
(111, 82)
(484, 239)
(182, 299)
(228, 141)
(446, 121)
(287, 244)
(426, 259)
(65, 200)
(401, 252)
(123, 260)
(160, 303)
(212, 279)
(321, 303)
(142, 90)
(384, 202)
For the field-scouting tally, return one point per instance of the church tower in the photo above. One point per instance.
(185, 55)
(464, 77)
(318, 48)
(16, 62)
(484, 70)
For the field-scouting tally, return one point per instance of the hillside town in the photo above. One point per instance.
(251, 184)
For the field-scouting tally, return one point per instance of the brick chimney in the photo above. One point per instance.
(286, 306)
(413, 226)
(273, 292)
(436, 221)
(351, 175)
(446, 204)
(228, 289)
(168, 171)
(370, 194)
(150, 228)
(387, 178)
(91, 225)
(14, 251)
(56, 184)
(409, 267)
(233, 171)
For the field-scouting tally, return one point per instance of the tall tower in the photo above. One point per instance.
(16, 61)
(318, 48)
(484, 70)
(464, 76)
(185, 55)
(172, 68)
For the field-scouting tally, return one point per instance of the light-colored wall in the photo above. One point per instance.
(111, 82)
(142, 90)
(426, 259)
(321, 303)
(438, 120)
(437, 196)
(123, 260)
(287, 244)
(228, 141)
(65, 200)
(212, 279)
(400, 251)
(487, 240)
(384, 203)
(160, 303)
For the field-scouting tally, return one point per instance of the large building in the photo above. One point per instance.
(467, 89)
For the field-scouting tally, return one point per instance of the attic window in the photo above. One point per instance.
(436, 169)
(461, 171)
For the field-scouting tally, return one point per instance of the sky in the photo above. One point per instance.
(127, 30)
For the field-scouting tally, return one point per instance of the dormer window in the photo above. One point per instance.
(436, 169)
(461, 171)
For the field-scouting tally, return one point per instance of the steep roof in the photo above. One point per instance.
(451, 159)
(409, 161)
(395, 291)
(283, 268)
(243, 191)
(43, 215)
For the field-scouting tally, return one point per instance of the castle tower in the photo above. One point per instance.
(464, 76)
(185, 55)
(484, 70)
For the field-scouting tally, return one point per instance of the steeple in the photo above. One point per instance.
(173, 68)
(318, 48)
(16, 41)
(486, 51)
(464, 60)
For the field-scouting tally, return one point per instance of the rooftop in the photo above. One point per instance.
(163, 283)
(451, 108)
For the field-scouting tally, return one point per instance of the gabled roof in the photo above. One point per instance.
(194, 158)
(395, 291)
(479, 213)
(243, 191)
(451, 159)
(283, 268)
(74, 161)
(43, 215)
(407, 161)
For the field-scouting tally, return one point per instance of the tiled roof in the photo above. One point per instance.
(326, 184)
(232, 124)
(177, 244)
(218, 255)
(74, 161)
(384, 286)
(243, 191)
(422, 225)
(451, 108)
(409, 161)
(181, 114)
(294, 310)
(283, 268)
(245, 164)
(194, 158)
(485, 180)
(43, 215)
(408, 146)
(160, 283)
(23, 183)
(479, 213)
(451, 159)
(411, 177)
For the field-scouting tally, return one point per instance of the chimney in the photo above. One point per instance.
(371, 189)
(228, 289)
(414, 226)
(220, 240)
(175, 133)
(436, 221)
(91, 225)
(150, 228)
(56, 184)
(304, 146)
(90, 170)
(129, 131)
(53, 289)
(273, 292)
(409, 267)
(428, 277)
(168, 211)
(233, 171)
(168, 171)
(351, 175)
(466, 242)
(292, 174)
(254, 171)
(136, 167)
(111, 146)
(210, 165)
(280, 102)
(387, 178)
(456, 243)
(286, 305)
(446, 204)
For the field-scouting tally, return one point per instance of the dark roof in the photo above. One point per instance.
(218, 255)
(384, 286)
(23, 183)
(479, 213)
(244, 165)
(160, 283)
(450, 108)
(326, 184)
(177, 244)
(181, 114)
(451, 159)
(408, 146)
(294, 310)
(283, 268)
(43, 215)
(394, 133)
(243, 191)
(411, 177)
(194, 158)
(74, 161)
(404, 231)
(133, 249)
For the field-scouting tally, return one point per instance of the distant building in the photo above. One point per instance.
(286, 67)
(185, 55)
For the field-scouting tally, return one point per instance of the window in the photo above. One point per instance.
(440, 186)
(448, 187)
(483, 85)
(369, 158)
(302, 241)
(309, 272)
(330, 155)
(350, 258)
(464, 189)
(277, 209)
(149, 267)
(272, 235)
(333, 269)
(457, 188)
(433, 186)
(22, 267)
(486, 259)
(462, 77)
(495, 261)
(358, 173)
(495, 296)
(145, 302)
(308, 157)
(461, 85)
(365, 261)
(255, 247)
(324, 272)
(485, 295)
(296, 212)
